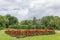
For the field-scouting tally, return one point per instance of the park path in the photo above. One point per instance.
(57, 31)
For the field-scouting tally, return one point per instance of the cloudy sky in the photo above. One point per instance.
(27, 9)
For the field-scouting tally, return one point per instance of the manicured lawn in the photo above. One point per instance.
(4, 36)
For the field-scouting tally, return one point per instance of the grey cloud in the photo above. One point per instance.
(38, 10)
(44, 10)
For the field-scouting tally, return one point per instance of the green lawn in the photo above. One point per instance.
(4, 36)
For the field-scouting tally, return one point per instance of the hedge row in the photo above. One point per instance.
(23, 26)
(25, 33)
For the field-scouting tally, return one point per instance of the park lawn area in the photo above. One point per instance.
(4, 36)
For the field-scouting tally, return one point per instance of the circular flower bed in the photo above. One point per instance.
(25, 33)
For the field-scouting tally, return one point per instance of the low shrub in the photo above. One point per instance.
(13, 26)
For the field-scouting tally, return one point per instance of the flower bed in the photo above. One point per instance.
(25, 33)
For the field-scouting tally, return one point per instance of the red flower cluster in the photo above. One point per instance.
(29, 32)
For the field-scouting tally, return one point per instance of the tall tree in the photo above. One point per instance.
(26, 22)
(12, 19)
(3, 21)
(51, 22)
(34, 21)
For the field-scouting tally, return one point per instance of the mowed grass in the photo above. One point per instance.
(4, 36)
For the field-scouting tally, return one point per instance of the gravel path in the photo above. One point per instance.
(57, 31)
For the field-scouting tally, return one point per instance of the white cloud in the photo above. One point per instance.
(25, 9)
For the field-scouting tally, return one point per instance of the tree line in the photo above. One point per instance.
(49, 22)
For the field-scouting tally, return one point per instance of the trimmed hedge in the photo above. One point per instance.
(25, 33)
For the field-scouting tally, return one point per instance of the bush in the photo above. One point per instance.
(31, 26)
(13, 26)
(23, 26)
(27, 26)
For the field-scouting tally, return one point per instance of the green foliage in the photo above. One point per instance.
(13, 26)
(26, 27)
(8, 20)
(22, 22)
(23, 26)
(12, 20)
(26, 22)
(34, 21)
(3, 21)
(50, 22)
